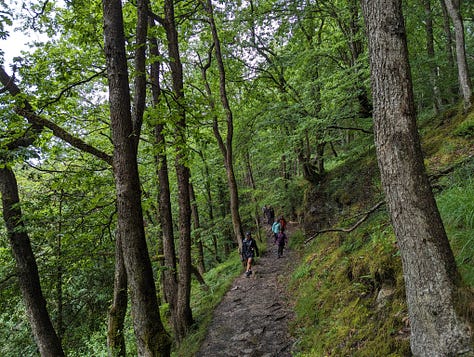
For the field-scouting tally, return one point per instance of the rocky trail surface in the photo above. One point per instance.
(252, 319)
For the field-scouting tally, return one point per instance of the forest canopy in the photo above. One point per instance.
(141, 139)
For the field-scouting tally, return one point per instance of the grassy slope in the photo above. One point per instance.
(341, 274)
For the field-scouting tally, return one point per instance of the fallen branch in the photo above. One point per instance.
(350, 229)
(350, 128)
(437, 175)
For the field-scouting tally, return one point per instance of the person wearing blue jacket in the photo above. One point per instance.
(276, 228)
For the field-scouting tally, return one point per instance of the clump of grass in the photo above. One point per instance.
(466, 128)
(456, 206)
(296, 239)
(335, 290)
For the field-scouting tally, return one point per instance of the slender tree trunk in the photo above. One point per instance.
(197, 227)
(44, 334)
(115, 337)
(207, 184)
(253, 186)
(184, 316)
(151, 336)
(431, 56)
(453, 89)
(226, 148)
(356, 48)
(170, 278)
(428, 263)
(463, 71)
(59, 272)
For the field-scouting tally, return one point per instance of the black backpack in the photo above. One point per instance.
(247, 246)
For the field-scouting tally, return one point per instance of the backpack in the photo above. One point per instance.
(280, 239)
(276, 227)
(247, 247)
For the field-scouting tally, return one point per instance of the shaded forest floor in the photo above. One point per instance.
(252, 319)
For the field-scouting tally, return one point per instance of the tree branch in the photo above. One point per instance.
(349, 128)
(350, 229)
(25, 109)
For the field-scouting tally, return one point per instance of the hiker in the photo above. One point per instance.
(265, 212)
(282, 224)
(249, 251)
(281, 239)
(276, 228)
(270, 215)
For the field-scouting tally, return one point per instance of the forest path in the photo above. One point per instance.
(252, 319)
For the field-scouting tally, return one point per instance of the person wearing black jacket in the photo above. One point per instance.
(249, 251)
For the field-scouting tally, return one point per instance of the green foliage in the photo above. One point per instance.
(298, 76)
(340, 318)
(337, 284)
(297, 239)
(466, 128)
(456, 205)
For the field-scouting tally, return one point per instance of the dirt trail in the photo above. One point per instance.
(252, 319)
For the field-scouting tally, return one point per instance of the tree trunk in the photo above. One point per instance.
(197, 227)
(152, 339)
(184, 317)
(115, 337)
(428, 263)
(463, 72)
(170, 279)
(226, 148)
(453, 89)
(431, 56)
(207, 184)
(44, 334)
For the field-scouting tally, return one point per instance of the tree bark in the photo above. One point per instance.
(184, 317)
(44, 334)
(115, 337)
(152, 339)
(170, 278)
(463, 71)
(226, 148)
(431, 56)
(429, 267)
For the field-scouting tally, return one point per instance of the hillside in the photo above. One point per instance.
(346, 289)
(349, 288)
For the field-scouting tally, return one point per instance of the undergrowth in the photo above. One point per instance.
(336, 289)
(205, 300)
(349, 290)
(456, 205)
